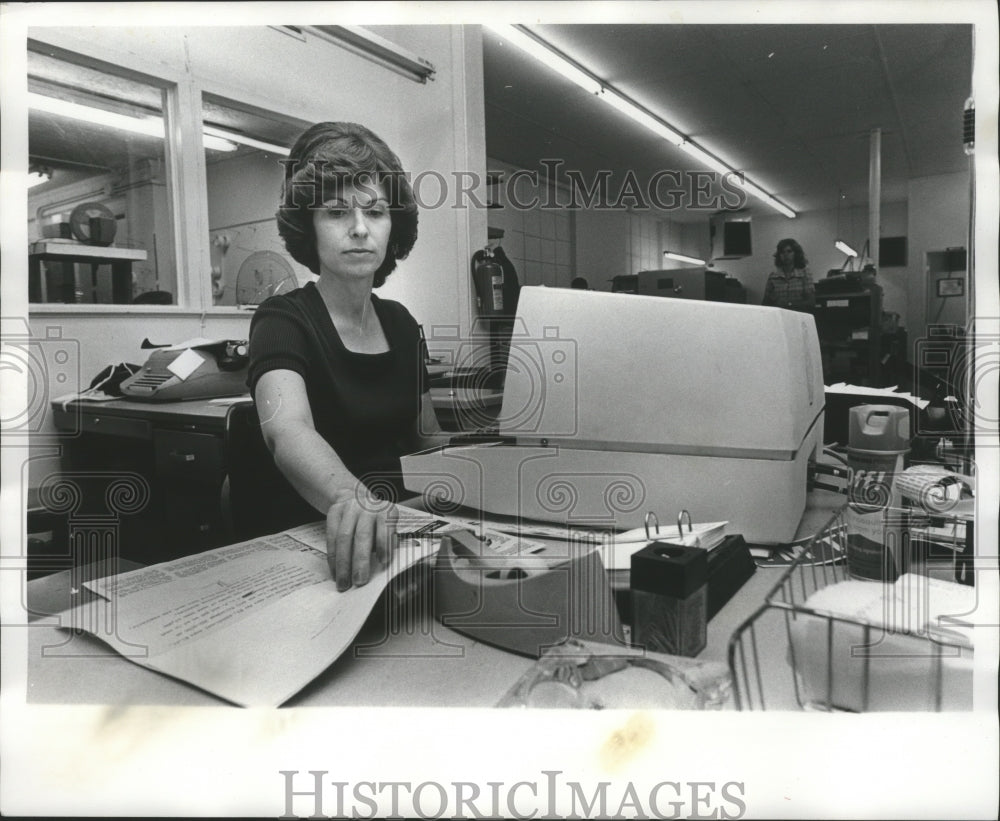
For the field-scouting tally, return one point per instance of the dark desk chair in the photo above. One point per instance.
(257, 497)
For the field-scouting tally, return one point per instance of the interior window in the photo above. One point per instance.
(249, 261)
(99, 215)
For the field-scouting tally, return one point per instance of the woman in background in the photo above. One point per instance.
(790, 285)
(337, 374)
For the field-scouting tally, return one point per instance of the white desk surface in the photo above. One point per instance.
(421, 664)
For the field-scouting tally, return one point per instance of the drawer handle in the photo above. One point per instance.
(177, 456)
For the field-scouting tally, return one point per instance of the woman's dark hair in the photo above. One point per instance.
(800, 255)
(327, 157)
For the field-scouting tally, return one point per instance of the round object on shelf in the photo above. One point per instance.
(93, 223)
(263, 274)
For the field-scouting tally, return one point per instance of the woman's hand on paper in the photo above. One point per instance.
(360, 533)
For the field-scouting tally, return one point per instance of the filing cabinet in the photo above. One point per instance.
(189, 469)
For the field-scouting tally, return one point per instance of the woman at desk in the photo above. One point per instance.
(337, 373)
(790, 285)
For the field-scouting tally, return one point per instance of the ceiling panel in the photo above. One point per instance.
(656, 53)
(791, 105)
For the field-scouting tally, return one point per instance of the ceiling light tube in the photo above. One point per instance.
(763, 196)
(149, 126)
(630, 109)
(683, 258)
(242, 139)
(553, 58)
(844, 248)
(755, 190)
(546, 54)
(705, 158)
(372, 45)
(38, 177)
(780, 207)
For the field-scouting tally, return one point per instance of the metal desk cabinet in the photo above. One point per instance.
(177, 449)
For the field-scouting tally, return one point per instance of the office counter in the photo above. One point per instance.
(420, 663)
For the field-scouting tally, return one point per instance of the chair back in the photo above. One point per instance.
(261, 500)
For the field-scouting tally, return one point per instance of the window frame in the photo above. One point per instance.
(185, 164)
(175, 88)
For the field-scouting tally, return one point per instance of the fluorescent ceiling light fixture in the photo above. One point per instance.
(683, 258)
(780, 207)
(763, 196)
(370, 44)
(38, 177)
(546, 54)
(150, 126)
(568, 68)
(705, 158)
(754, 190)
(230, 136)
(844, 248)
(641, 116)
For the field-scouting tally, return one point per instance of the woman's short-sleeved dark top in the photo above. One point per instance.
(364, 405)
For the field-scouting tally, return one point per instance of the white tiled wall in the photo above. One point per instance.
(644, 249)
(538, 240)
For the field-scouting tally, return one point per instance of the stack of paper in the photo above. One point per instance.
(706, 535)
(844, 389)
(617, 549)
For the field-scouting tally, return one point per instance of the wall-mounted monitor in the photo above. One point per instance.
(892, 252)
(730, 236)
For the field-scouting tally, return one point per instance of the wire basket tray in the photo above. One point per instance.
(794, 653)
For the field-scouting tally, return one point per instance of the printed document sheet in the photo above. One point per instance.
(252, 622)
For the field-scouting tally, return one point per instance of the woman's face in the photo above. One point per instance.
(786, 256)
(352, 232)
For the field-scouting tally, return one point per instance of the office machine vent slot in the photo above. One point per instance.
(151, 381)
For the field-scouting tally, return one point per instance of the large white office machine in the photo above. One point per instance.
(617, 404)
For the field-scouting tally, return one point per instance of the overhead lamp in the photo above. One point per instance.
(578, 74)
(150, 126)
(641, 116)
(242, 139)
(369, 44)
(705, 158)
(763, 196)
(844, 248)
(548, 55)
(683, 258)
(37, 176)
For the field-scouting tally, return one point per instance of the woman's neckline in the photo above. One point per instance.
(376, 305)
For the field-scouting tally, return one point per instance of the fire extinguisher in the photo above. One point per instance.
(487, 274)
